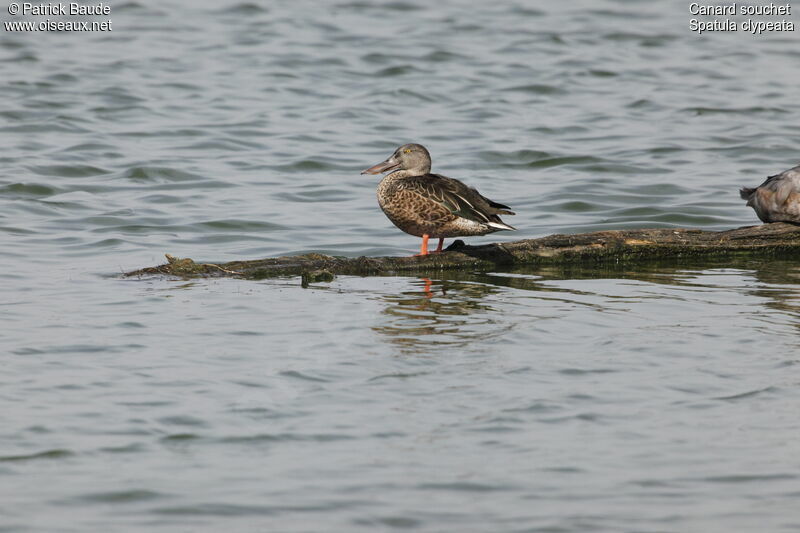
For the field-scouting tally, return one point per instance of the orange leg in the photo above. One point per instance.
(439, 248)
(427, 288)
(423, 250)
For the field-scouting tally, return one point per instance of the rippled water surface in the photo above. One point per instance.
(649, 398)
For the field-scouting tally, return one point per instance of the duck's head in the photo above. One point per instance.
(413, 158)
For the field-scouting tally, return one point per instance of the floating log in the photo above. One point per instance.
(584, 249)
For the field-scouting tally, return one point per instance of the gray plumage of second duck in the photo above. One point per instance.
(431, 205)
(777, 199)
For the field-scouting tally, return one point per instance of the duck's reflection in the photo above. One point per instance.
(779, 283)
(761, 284)
(427, 289)
(440, 311)
(464, 307)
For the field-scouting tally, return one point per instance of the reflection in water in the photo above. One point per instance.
(437, 312)
(778, 280)
(779, 283)
(428, 293)
(464, 307)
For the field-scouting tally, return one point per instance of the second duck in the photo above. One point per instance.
(777, 199)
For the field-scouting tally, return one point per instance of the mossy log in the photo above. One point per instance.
(617, 246)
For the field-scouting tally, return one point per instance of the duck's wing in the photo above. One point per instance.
(780, 186)
(457, 198)
(498, 208)
(778, 198)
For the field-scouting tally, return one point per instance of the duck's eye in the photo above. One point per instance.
(407, 150)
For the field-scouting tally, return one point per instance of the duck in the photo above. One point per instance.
(431, 205)
(777, 199)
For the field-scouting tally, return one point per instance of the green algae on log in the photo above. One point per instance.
(614, 246)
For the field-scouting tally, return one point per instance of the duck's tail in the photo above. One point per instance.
(746, 192)
(501, 225)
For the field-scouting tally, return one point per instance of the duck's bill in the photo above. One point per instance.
(386, 166)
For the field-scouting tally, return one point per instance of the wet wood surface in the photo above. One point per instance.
(584, 249)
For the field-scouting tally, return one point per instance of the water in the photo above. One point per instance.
(652, 398)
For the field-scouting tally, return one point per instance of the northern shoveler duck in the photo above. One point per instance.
(429, 205)
(778, 198)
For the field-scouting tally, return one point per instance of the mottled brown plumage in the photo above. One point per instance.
(430, 205)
